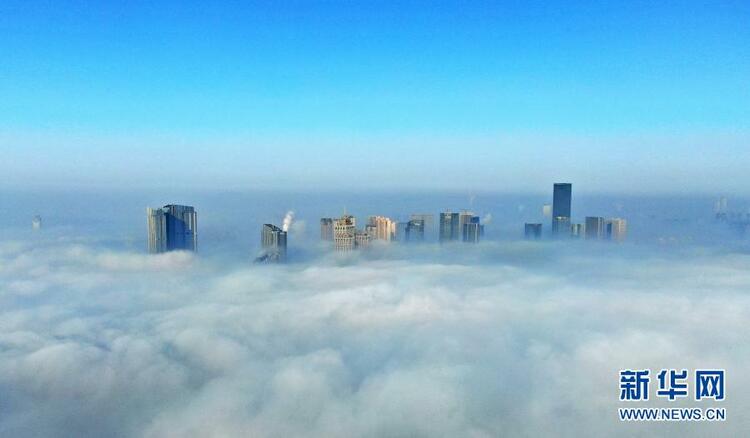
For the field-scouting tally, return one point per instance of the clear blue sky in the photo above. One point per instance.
(614, 96)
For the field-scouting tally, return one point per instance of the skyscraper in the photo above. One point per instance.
(561, 226)
(532, 231)
(273, 240)
(428, 221)
(414, 231)
(382, 228)
(472, 230)
(326, 229)
(594, 227)
(576, 231)
(401, 231)
(172, 227)
(561, 200)
(343, 233)
(615, 229)
(464, 218)
(449, 226)
(362, 239)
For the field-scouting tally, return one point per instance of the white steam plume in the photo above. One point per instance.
(288, 220)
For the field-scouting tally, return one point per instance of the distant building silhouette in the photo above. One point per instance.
(576, 231)
(721, 209)
(326, 229)
(472, 230)
(36, 222)
(172, 227)
(401, 231)
(449, 226)
(561, 226)
(362, 239)
(615, 229)
(532, 231)
(594, 227)
(561, 202)
(414, 231)
(429, 223)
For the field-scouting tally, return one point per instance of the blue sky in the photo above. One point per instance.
(505, 96)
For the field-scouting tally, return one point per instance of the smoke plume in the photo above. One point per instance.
(288, 220)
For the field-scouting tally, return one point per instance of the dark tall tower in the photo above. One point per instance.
(561, 198)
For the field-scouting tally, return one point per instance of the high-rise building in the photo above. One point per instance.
(561, 226)
(273, 241)
(36, 222)
(362, 239)
(371, 230)
(429, 223)
(561, 201)
(532, 231)
(720, 209)
(594, 227)
(326, 229)
(464, 218)
(615, 229)
(472, 230)
(414, 231)
(172, 227)
(401, 231)
(343, 233)
(449, 226)
(381, 228)
(576, 231)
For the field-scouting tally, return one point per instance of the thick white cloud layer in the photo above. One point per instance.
(511, 339)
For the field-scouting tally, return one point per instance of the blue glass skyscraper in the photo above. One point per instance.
(172, 227)
(449, 229)
(561, 200)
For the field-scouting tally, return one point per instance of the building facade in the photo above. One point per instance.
(273, 241)
(576, 231)
(414, 231)
(472, 230)
(562, 194)
(428, 221)
(326, 229)
(594, 227)
(362, 239)
(449, 226)
(561, 226)
(381, 228)
(344, 229)
(615, 229)
(532, 231)
(172, 227)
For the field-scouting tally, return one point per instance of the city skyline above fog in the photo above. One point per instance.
(483, 96)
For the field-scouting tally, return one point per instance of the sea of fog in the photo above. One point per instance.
(503, 338)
